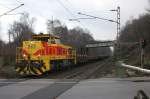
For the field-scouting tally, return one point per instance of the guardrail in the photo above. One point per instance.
(120, 63)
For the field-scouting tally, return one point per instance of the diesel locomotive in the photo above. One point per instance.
(43, 53)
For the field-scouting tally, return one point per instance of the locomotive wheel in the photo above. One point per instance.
(20, 69)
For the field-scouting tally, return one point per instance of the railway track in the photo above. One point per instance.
(88, 71)
(93, 70)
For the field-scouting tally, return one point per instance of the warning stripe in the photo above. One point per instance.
(37, 71)
(27, 72)
(43, 69)
(33, 71)
(40, 69)
(21, 70)
(26, 68)
(17, 69)
(30, 71)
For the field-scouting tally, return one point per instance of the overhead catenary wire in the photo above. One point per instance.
(18, 1)
(70, 12)
(70, 4)
(4, 6)
(79, 18)
(11, 10)
(15, 14)
(97, 17)
(67, 9)
(92, 17)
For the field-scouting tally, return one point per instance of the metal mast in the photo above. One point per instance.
(118, 23)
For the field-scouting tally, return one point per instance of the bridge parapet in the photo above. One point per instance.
(101, 44)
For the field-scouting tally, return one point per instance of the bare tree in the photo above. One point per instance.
(52, 24)
(134, 31)
(17, 32)
(22, 29)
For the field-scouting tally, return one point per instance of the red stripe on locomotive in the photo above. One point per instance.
(51, 50)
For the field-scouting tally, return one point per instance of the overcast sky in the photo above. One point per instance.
(68, 9)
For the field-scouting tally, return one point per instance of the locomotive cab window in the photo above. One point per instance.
(43, 39)
(51, 41)
(57, 41)
(54, 41)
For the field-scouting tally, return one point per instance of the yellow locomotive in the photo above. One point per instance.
(43, 53)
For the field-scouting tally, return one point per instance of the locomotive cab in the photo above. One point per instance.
(54, 41)
(47, 38)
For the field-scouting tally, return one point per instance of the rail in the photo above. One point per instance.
(120, 63)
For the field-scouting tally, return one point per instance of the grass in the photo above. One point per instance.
(7, 72)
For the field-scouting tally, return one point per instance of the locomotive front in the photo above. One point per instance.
(27, 62)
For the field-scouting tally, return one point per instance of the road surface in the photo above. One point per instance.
(103, 88)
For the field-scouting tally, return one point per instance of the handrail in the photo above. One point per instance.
(120, 63)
